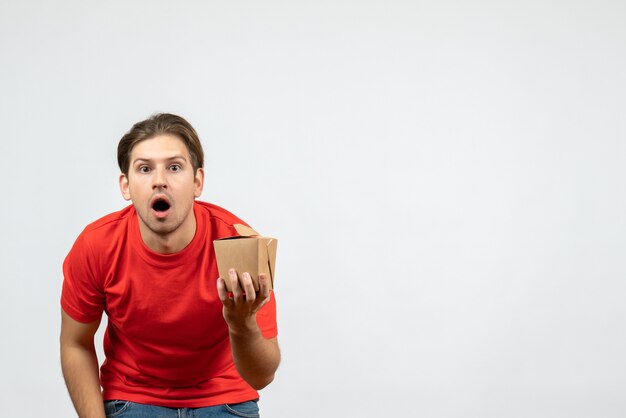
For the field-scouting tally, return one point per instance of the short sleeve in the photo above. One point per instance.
(82, 296)
(266, 318)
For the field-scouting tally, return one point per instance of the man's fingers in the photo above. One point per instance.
(264, 290)
(222, 292)
(248, 287)
(243, 293)
(234, 284)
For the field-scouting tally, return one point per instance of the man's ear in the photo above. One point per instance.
(124, 187)
(198, 182)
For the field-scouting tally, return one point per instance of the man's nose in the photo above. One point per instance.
(159, 180)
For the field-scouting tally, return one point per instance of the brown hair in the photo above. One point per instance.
(160, 124)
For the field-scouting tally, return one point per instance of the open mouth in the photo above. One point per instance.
(161, 206)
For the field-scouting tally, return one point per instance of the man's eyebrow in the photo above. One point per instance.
(147, 160)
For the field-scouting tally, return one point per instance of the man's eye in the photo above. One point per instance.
(144, 169)
(175, 168)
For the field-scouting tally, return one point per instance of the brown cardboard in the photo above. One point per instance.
(248, 252)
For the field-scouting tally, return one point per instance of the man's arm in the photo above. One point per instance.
(255, 357)
(80, 366)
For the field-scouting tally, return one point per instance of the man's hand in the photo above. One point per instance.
(240, 310)
(256, 358)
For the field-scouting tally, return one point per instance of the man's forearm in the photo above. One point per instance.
(255, 357)
(80, 370)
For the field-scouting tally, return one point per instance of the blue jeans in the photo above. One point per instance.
(126, 409)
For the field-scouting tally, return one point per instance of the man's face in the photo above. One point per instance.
(162, 184)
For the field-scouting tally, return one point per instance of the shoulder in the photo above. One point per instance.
(108, 228)
(110, 222)
(217, 214)
(97, 244)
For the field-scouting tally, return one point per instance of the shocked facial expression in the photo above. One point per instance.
(162, 185)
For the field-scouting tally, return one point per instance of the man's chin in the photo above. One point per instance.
(161, 228)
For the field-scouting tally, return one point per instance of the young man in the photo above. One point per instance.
(177, 343)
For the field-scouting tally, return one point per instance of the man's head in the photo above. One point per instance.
(161, 161)
(160, 124)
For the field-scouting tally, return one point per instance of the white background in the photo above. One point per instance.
(446, 180)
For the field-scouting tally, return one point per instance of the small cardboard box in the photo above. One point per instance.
(248, 252)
